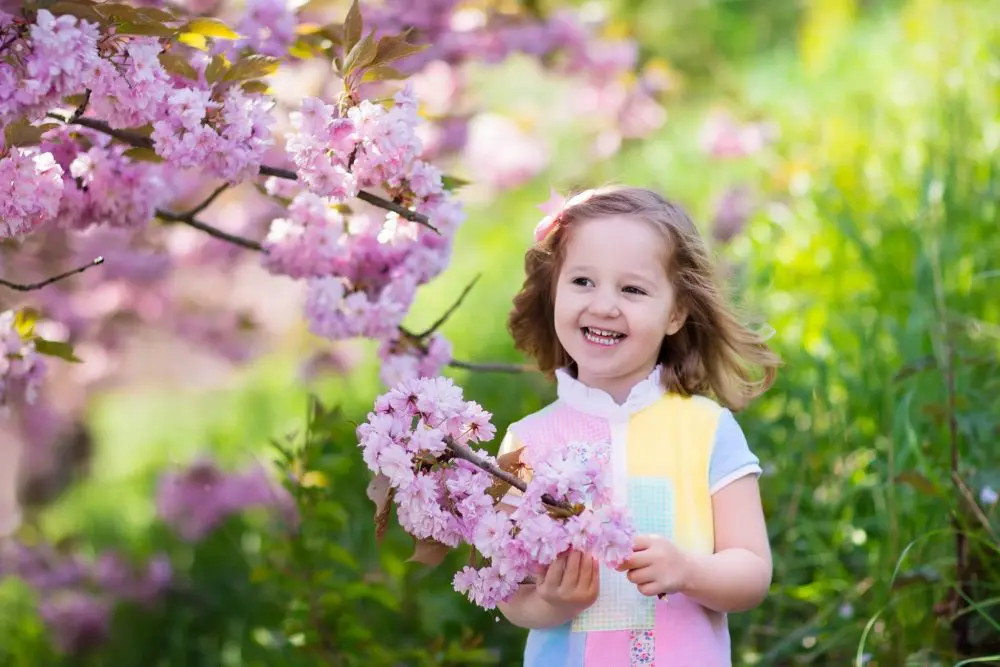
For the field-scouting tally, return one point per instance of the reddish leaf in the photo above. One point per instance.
(509, 462)
(360, 56)
(381, 493)
(353, 26)
(395, 47)
(429, 552)
(382, 73)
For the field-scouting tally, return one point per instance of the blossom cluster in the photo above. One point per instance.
(103, 186)
(21, 367)
(403, 359)
(77, 597)
(362, 271)
(420, 435)
(31, 187)
(195, 501)
(218, 127)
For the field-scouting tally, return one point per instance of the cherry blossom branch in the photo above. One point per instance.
(451, 310)
(140, 141)
(82, 109)
(460, 451)
(208, 201)
(28, 287)
(491, 367)
(189, 220)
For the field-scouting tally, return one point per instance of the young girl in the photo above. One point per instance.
(619, 304)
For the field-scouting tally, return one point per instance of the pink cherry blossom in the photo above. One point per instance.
(419, 438)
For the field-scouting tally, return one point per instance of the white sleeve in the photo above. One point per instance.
(731, 455)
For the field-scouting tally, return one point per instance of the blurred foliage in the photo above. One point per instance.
(873, 254)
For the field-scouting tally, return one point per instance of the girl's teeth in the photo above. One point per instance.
(602, 337)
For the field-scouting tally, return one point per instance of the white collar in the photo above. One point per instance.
(600, 403)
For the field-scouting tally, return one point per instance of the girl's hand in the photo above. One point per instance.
(571, 582)
(656, 566)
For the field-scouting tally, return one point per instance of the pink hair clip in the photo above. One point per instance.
(554, 209)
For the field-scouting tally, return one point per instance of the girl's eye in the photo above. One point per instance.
(634, 290)
(582, 282)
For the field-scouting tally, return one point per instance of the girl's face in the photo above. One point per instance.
(614, 302)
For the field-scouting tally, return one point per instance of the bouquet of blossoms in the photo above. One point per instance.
(419, 443)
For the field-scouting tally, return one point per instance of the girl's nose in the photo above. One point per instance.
(605, 304)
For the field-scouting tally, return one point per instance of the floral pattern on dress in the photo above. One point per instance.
(641, 647)
(584, 452)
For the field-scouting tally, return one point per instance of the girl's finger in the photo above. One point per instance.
(572, 573)
(643, 575)
(554, 575)
(589, 572)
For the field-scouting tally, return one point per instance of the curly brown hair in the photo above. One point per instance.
(713, 354)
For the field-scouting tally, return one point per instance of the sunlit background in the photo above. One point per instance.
(840, 156)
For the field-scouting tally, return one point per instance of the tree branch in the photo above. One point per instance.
(28, 287)
(189, 220)
(208, 201)
(460, 451)
(140, 141)
(82, 109)
(491, 367)
(401, 211)
(448, 313)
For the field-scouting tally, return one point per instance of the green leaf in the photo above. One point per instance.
(353, 25)
(194, 40)
(360, 56)
(52, 348)
(216, 68)
(333, 32)
(143, 154)
(382, 73)
(256, 87)
(22, 133)
(80, 10)
(24, 321)
(177, 64)
(395, 47)
(209, 27)
(306, 47)
(252, 67)
(115, 11)
(142, 130)
(918, 482)
(155, 14)
(74, 100)
(453, 182)
(145, 29)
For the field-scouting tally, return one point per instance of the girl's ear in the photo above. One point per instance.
(677, 319)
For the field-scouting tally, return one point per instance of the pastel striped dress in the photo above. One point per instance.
(667, 454)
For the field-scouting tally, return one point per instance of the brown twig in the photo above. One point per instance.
(451, 310)
(208, 201)
(491, 367)
(215, 232)
(82, 109)
(140, 141)
(460, 451)
(28, 287)
(401, 211)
